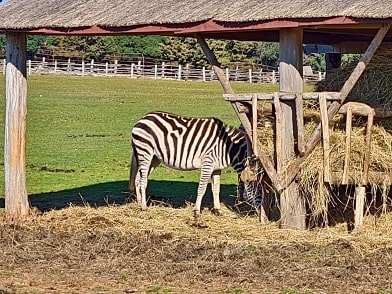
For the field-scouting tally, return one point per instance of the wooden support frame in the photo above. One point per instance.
(16, 200)
(293, 169)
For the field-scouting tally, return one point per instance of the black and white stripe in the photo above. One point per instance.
(185, 143)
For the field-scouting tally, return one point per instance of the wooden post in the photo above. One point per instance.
(291, 204)
(325, 128)
(132, 70)
(83, 68)
(16, 201)
(346, 168)
(29, 64)
(69, 65)
(368, 140)
(163, 69)
(360, 193)
(179, 72)
(299, 105)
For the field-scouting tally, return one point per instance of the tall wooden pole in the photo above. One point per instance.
(291, 204)
(16, 201)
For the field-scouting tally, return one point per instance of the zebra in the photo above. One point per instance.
(186, 143)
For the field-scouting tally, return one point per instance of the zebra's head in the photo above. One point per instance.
(250, 187)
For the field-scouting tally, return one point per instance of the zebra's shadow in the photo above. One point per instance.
(175, 194)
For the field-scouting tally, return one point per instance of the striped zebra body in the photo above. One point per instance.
(185, 143)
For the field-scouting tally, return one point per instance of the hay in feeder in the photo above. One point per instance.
(310, 178)
(373, 88)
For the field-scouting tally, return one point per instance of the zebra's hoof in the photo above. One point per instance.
(217, 211)
(196, 214)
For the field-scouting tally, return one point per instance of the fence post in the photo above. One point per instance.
(4, 65)
(204, 74)
(55, 66)
(155, 71)
(179, 72)
(132, 70)
(115, 66)
(139, 68)
(227, 74)
(43, 64)
(82, 68)
(92, 66)
(187, 71)
(250, 76)
(106, 69)
(273, 77)
(69, 65)
(29, 67)
(320, 77)
(163, 69)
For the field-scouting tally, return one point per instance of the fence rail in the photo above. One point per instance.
(256, 74)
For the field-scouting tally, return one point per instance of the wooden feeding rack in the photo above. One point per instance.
(349, 109)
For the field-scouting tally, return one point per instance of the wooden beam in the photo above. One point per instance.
(293, 169)
(325, 132)
(347, 153)
(16, 201)
(292, 206)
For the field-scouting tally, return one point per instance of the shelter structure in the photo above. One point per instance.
(349, 26)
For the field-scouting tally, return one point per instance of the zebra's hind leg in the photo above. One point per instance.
(215, 184)
(142, 179)
(206, 172)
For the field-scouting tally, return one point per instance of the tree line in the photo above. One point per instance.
(174, 49)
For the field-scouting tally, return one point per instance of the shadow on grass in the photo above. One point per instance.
(169, 193)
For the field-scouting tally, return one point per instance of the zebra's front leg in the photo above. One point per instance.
(215, 184)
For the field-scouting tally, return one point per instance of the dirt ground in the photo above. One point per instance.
(119, 249)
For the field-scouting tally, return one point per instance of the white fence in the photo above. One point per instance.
(257, 74)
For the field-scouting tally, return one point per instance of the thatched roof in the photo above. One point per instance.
(216, 18)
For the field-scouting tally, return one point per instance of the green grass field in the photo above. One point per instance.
(78, 137)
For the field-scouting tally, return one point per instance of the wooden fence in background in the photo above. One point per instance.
(256, 74)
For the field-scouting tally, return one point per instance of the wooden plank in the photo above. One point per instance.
(254, 126)
(278, 133)
(16, 201)
(359, 207)
(299, 109)
(294, 167)
(368, 142)
(347, 153)
(283, 96)
(325, 133)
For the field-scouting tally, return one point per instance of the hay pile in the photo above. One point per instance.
(375, 89)
(120, 249)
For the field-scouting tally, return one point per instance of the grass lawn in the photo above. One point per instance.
(78, 134)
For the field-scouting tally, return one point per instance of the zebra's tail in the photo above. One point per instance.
(132, 174)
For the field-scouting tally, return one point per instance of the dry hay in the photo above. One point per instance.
(320, 197)
(120, 249)
(373, 88)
